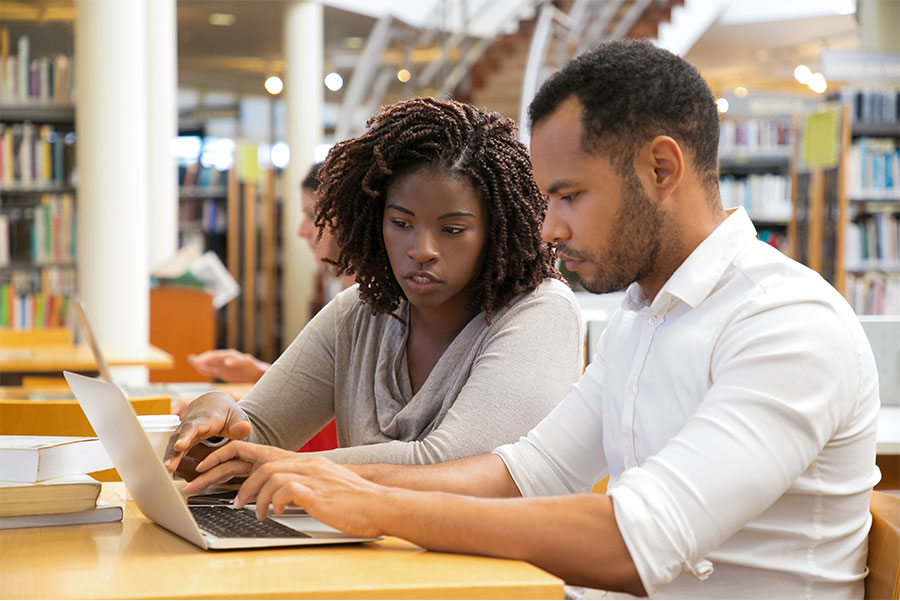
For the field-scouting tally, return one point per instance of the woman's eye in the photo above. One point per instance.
(453, 229)
(399, 223)
(568, 197)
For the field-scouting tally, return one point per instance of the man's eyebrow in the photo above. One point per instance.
(559, 185)
(456, 214)
(401, 209)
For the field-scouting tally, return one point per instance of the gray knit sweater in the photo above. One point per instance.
(491, 386)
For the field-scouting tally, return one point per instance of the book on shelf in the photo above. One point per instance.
(873, 169)
(103, 511)
(875, 106)
(36, 298)
(56, 495)
(29, 78)
(34, 156)
(755, 137)
(35, 458)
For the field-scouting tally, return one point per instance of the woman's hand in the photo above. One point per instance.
(229, 365)
(210, 414)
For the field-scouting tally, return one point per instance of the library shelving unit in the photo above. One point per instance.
(37, 213)
(37, 175)
(237, 216)
(754, 154)
(818, 190)
(872, 256)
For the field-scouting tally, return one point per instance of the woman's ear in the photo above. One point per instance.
(663, 161)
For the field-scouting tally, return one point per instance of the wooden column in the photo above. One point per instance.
(249, 294)
(234, 266)
(269, 245)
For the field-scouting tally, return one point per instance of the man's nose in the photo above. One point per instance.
(554, 228)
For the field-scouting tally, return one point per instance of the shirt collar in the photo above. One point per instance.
(696, 277)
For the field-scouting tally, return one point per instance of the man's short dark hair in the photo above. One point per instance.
(631, 91)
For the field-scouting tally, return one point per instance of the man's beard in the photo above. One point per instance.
(633, 245)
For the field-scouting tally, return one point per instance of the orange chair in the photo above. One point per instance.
(883, 581)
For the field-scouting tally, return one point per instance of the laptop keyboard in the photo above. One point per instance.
(225, 522)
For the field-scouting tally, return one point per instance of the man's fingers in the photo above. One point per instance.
(264, 497)
(292, 493)
(217, 475)
(258, 478)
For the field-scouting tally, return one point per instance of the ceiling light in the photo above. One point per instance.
(221, 19)
(722, 105)
(740, 92)
(334, 82)
(354, 42)
(802, 73)
(281, 154)
(403, 75)
(274, 85)
(817, 83)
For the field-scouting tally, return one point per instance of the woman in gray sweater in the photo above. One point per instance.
(459, 335)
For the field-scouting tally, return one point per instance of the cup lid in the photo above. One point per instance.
(159, 422)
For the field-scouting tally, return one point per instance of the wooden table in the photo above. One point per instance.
(138, 559)
(44, 359)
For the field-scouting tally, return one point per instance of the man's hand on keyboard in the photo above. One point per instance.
(329, 492)
(237, 459)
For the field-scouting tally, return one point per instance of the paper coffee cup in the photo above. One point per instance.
(159, 428)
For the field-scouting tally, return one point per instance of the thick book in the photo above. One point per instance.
(102, 512)
(33, 458)
(58, 495)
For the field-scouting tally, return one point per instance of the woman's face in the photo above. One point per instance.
(435, 232)
(326, 248)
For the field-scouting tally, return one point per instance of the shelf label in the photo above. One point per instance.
(820, 143)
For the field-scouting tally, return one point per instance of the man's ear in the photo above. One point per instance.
(662, 161)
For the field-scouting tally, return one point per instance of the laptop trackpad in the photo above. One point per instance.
(311, 526)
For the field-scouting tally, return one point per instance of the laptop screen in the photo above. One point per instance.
(88, 332)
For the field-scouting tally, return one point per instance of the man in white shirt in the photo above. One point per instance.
(732, 400)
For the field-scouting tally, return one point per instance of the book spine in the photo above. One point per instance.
(23, 59)
(99, 515)
(4, 62)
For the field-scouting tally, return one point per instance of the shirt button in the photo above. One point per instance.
(633, 390)
(652, 321)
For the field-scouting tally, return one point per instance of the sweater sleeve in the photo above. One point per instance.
(526, 366)
(295, 397)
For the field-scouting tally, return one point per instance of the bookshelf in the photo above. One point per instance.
(236, 214)
(754, 158)
(818, 226)
(37, 176)
(872, 252)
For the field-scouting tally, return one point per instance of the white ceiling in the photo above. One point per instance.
(754, 43)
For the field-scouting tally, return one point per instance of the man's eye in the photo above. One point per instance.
(568, 197)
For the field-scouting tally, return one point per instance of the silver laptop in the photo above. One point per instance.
(207, 526)
(175, 390)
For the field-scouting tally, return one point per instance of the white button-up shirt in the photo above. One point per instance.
(736, 418)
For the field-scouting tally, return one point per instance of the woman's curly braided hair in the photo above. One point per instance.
(454, 138)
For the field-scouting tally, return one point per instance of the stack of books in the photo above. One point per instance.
(44, 482)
